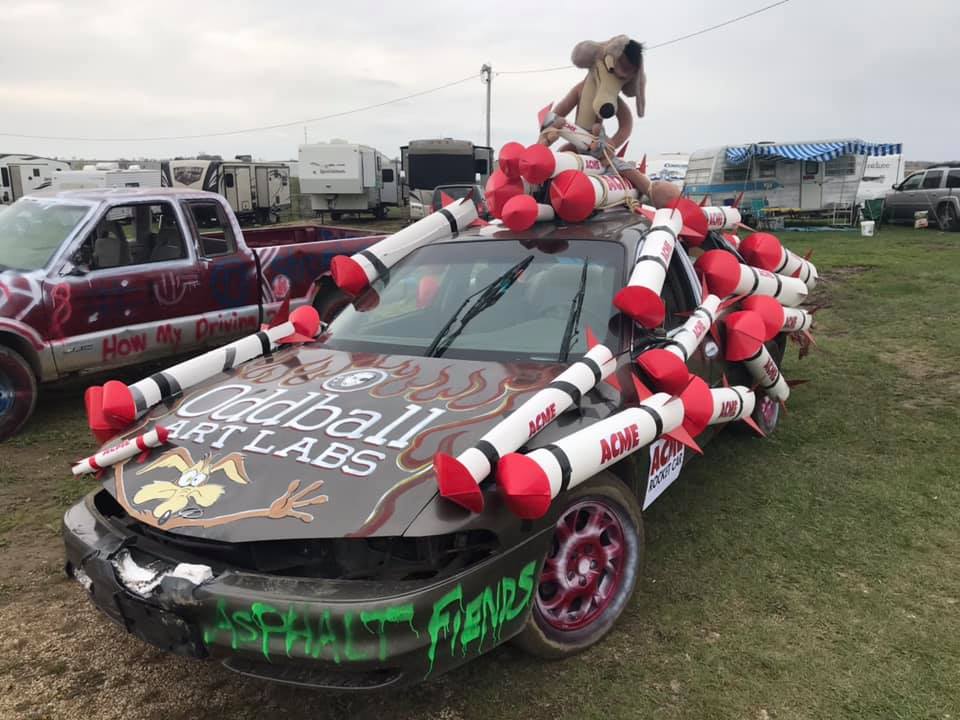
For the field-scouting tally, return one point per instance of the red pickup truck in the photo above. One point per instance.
(96, 279)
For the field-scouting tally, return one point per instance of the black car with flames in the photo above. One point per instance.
(292, 527)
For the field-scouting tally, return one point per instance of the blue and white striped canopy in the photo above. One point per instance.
(821, 151)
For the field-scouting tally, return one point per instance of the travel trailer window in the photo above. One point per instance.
(838, 167)
(932, 179)
(811, 167)
(4, 177)
(386, 175)
(735, 174)
(953, 179)
(767, 168)
(213, 228)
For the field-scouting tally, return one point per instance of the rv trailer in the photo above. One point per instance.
(804, 181)
(256, 191)
(106, 175)
(341, 177)
(21, 174)
(428, 164)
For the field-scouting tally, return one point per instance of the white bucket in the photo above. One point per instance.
(866, 228)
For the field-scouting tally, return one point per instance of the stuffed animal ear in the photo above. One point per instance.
(641, 91)
(586, 53)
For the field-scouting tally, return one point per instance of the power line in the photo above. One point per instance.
(343, 113)
(648, 48)
(261, 128)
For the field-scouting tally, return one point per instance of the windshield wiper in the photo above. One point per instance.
(576, 305)
(489, 295)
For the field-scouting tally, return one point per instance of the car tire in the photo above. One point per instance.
(336, 216)
(18, 391)
(598, 523)
(947, 218)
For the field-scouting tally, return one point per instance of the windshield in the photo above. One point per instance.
(32, 229)
(496, 299)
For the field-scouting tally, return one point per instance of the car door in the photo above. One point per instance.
(128, 297)
(903, 197)
(930, 192)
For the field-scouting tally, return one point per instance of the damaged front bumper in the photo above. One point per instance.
(336, 634)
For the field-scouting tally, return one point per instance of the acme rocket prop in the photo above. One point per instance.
(459, 477)
(355, 272)
(123, 451)
(115, 405)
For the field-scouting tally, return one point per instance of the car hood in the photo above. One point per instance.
(315, 443)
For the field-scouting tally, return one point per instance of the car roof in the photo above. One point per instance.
(620, 226)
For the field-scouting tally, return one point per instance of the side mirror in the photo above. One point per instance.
(895, 186)
(75, 269)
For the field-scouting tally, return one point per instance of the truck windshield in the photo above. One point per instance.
(496, 299)
(32, 229)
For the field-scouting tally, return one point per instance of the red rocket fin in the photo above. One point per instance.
(726, 383)
(736, 203)
(281, 315)
(683, 437)
(445, 199)
(643, 165)
(703, 201)
(643, 392)
(809, 254)
(592, 340)
(783, 406)
(542, 115)
(479, 222)
(623, 151)
(752, 424)
(794, 383)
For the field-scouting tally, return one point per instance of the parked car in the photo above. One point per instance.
(95, 279)
(936, 190)
(292, 530)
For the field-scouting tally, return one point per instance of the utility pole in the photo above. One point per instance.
(305, 135)
(486, 75)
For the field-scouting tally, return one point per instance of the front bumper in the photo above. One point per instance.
(336, 634)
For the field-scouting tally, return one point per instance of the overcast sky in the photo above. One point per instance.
(881, 70)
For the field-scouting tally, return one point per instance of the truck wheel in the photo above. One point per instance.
(381, 213)
(335, 216)
(947, 218)
(590, 571)
(18, 391)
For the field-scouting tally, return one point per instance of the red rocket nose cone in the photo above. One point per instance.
(499, 190)
(770, 310)
(762, 250)
(720, 270)
(745, 333)
(666, 371)
(306, 321)
(697, 405)
(456, 483)
(509, 159)
(525, 486)
(572, 196)
(520, 212)
(119, 409)
(98, 424)
(348, 275)
(162, 434)
(641, 304)
(694, 221)
(537, 164)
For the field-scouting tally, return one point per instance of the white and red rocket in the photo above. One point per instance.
(724, 275)
(122, 451)
(116, 405)
(459, 477)
(766, 251)
(355, 272)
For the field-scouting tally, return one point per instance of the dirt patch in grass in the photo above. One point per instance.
(822, 295)
(933, 384)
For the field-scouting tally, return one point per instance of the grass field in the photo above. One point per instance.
(815, 574)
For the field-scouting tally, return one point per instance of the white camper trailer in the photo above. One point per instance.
(341, 177)
(818, 179)
(106, 175)
(880, 174)
(670, 167)
(20, 174)
(427, 164)
(256, 191)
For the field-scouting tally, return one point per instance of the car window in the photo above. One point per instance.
(953, 179)
(135, 234)
(424, 291)
(212, 227)
(912, 182)
(932, 179)
(32, 229)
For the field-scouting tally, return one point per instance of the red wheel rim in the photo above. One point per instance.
(584, 568)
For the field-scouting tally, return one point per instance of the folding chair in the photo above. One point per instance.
(873, 210)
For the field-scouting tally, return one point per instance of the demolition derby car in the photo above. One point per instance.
(284, 517)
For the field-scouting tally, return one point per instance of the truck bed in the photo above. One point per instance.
(297, 234)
